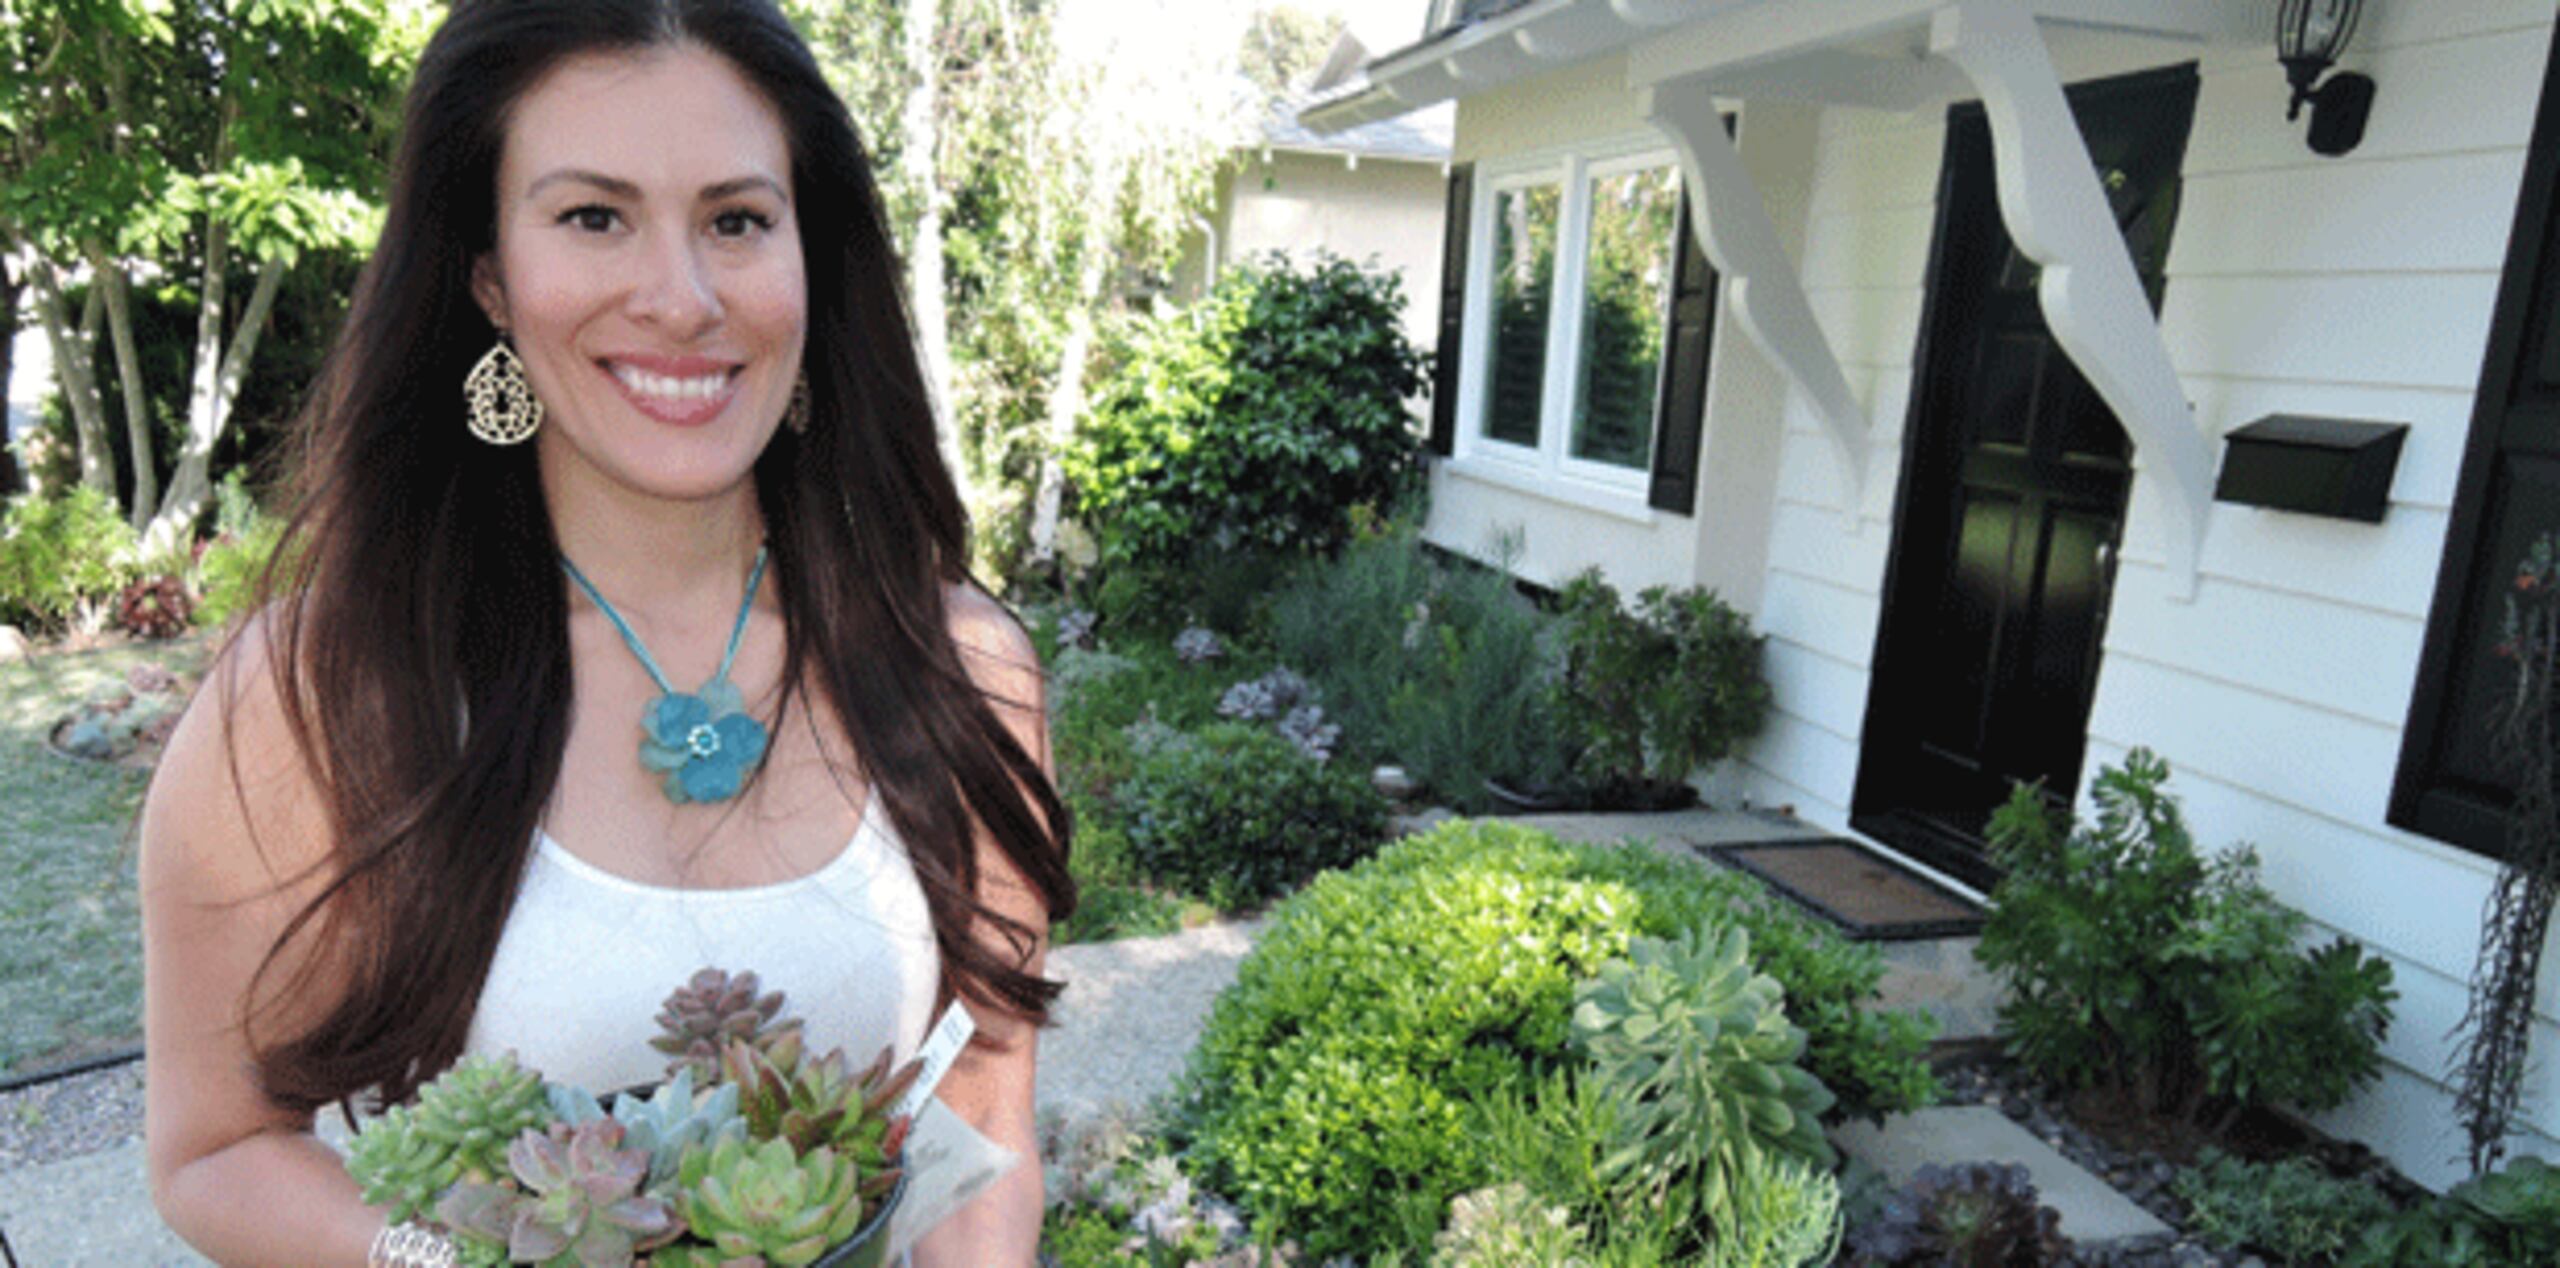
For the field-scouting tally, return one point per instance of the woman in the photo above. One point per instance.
(531, 730)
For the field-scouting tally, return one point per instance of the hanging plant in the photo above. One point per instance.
(2495, 1031)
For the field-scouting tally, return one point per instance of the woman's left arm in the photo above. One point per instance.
(992, 1083)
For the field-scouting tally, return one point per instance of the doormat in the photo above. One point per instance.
(1872, 898)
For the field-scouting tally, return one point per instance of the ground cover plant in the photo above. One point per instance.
(1340, 1090)
(70, 922)
(2169, 980)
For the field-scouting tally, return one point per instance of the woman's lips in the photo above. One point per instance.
(684, 391)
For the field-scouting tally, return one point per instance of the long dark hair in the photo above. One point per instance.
(431, 696)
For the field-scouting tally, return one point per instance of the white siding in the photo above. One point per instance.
(2356, 287)
(2359, 287)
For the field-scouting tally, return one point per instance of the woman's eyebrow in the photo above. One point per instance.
(620, 188)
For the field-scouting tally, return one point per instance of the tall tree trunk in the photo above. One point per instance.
(217, 384)
(72, 369)
(11, 285)
(921, 25)
(107, 275)
(1066, 402)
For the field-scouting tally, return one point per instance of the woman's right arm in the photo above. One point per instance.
(225, 864)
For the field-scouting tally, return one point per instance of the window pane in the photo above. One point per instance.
(1524, 269)
(1626, 299)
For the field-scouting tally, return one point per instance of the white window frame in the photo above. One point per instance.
(1551, 461)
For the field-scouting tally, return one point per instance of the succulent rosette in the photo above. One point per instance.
(754, 1153)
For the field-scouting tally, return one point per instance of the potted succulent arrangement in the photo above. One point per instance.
(753, 1152)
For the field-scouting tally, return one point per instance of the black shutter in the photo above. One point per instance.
(1681, 406)
(2449, 785)
(1453, 312)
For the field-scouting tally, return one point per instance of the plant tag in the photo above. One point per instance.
(941, 1047)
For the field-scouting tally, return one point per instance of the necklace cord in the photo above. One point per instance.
(631, 638)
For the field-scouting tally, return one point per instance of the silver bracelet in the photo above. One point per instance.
(409, 1246)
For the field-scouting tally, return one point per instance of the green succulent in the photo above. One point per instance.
(1696, 1048)
(458, 1130)
(711, 1011)
(1504, 1225)
(785, 1094)
(765, 1200)
(584, 1209)
(662, 1126)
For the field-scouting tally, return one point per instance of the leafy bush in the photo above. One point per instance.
(1443, 670)
(59, 554)
(2509, 1218)
(226, 575)
(2135, 962)
(2292, 1209)
(1660, 691)
(1340, 1089)
(1695, 1044)
(1979, 1214)
(1238, 814)
(1257, 418)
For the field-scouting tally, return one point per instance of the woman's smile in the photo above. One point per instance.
(685, 391)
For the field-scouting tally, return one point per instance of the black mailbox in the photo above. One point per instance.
(2320, 466)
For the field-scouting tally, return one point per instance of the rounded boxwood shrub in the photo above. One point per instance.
(1238, 814)
(1336, 1087)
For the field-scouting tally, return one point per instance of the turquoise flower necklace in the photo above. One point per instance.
(703, 743)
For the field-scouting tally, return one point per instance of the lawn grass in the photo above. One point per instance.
(70, 922)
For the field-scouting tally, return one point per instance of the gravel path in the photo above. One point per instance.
(70, 1117)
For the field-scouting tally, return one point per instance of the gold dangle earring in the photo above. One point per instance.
(796, 415)
(503, 409)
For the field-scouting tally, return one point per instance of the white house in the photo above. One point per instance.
(1945, 390)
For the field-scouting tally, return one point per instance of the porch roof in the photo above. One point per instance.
(1688, 57)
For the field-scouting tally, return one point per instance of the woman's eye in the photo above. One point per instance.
(739, 223)
(592, 218)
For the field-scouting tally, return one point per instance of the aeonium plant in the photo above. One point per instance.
(764, 1154)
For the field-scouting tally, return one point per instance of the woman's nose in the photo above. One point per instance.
(674, 288)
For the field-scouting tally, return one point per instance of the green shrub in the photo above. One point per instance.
(2292, 1209)
(1660, 691)
(231, 562)
(1238, 814)
(2134, 962)
(2509, 1218)
(59, 554)
(1256, 419)
(1339, 1090)
(1442, 670)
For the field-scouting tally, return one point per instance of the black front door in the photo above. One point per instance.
(2013, 492)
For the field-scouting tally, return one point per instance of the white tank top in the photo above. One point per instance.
(587, 957)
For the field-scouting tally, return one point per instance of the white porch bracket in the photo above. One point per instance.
(1760, 284)
(2092, 299)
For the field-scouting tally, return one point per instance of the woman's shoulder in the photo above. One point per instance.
(232, 787)
(991, 639)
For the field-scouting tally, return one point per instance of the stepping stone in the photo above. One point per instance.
(2091, 1210)
(94, 1209)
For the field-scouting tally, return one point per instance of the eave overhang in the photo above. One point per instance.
(1686, 56)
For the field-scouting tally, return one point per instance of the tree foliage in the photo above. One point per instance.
(176, 143)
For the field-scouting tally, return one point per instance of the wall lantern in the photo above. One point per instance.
(2310, 34)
